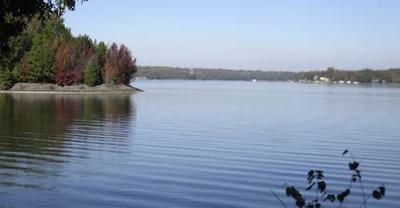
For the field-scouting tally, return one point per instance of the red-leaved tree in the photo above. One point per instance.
(70, 61)
(120, 65)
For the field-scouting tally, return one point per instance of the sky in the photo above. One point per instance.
(291, 35)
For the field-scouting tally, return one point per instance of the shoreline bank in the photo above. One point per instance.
(39, 88)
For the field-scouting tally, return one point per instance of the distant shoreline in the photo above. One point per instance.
(330, 75)
(43, 88)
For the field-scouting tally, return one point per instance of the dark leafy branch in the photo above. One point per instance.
(15, 14)
(316, 183)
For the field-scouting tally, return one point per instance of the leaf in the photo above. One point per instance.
(347, 192)
(341, 197)
(382, 190)
(310, 175)
(354, 179)
(320, 174)
(321, 186)
(289, 191)
(345, 151)
(358, 173)
(330, 197)
(353, 165)
(300, 203)
(376, 194)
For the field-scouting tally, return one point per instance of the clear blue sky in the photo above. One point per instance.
(248, 34)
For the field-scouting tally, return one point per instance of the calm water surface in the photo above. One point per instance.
(195, 144)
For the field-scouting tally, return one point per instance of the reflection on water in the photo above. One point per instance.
(38, 133)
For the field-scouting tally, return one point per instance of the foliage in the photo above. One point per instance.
(15, 13)
(71, 59)
(161, 72)
(18, 45)
(100, 57)
(334, 75)
(21, 72)
(365, 75)
(70, 62)
(120, 66)
(6, 79)
(66, 71)
(93, 71)
(44, 48)
(85, 47)
(316, 183)
(54, 29)
(46, 52)
(395, 75)
(91, 75)
(18, 48)
(100, 53)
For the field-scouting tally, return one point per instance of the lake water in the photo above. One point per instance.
(196, 144)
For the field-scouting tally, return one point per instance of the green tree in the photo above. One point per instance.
(365, 75)
(330, 73)
(6, 79)
(395, 76)
(18, 48)
(100, 52)
(44, 47)
(91, 75)
(100, 55)
(93, 71)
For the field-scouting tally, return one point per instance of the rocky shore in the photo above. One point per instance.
(84, 89)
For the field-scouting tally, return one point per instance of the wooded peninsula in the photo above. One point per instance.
(37, 48)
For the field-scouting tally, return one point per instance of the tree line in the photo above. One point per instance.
(161, 72)
(362, 76)
(329, 75)
(37, 47)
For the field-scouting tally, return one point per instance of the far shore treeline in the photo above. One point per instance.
(36, 47)
(329, 75)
